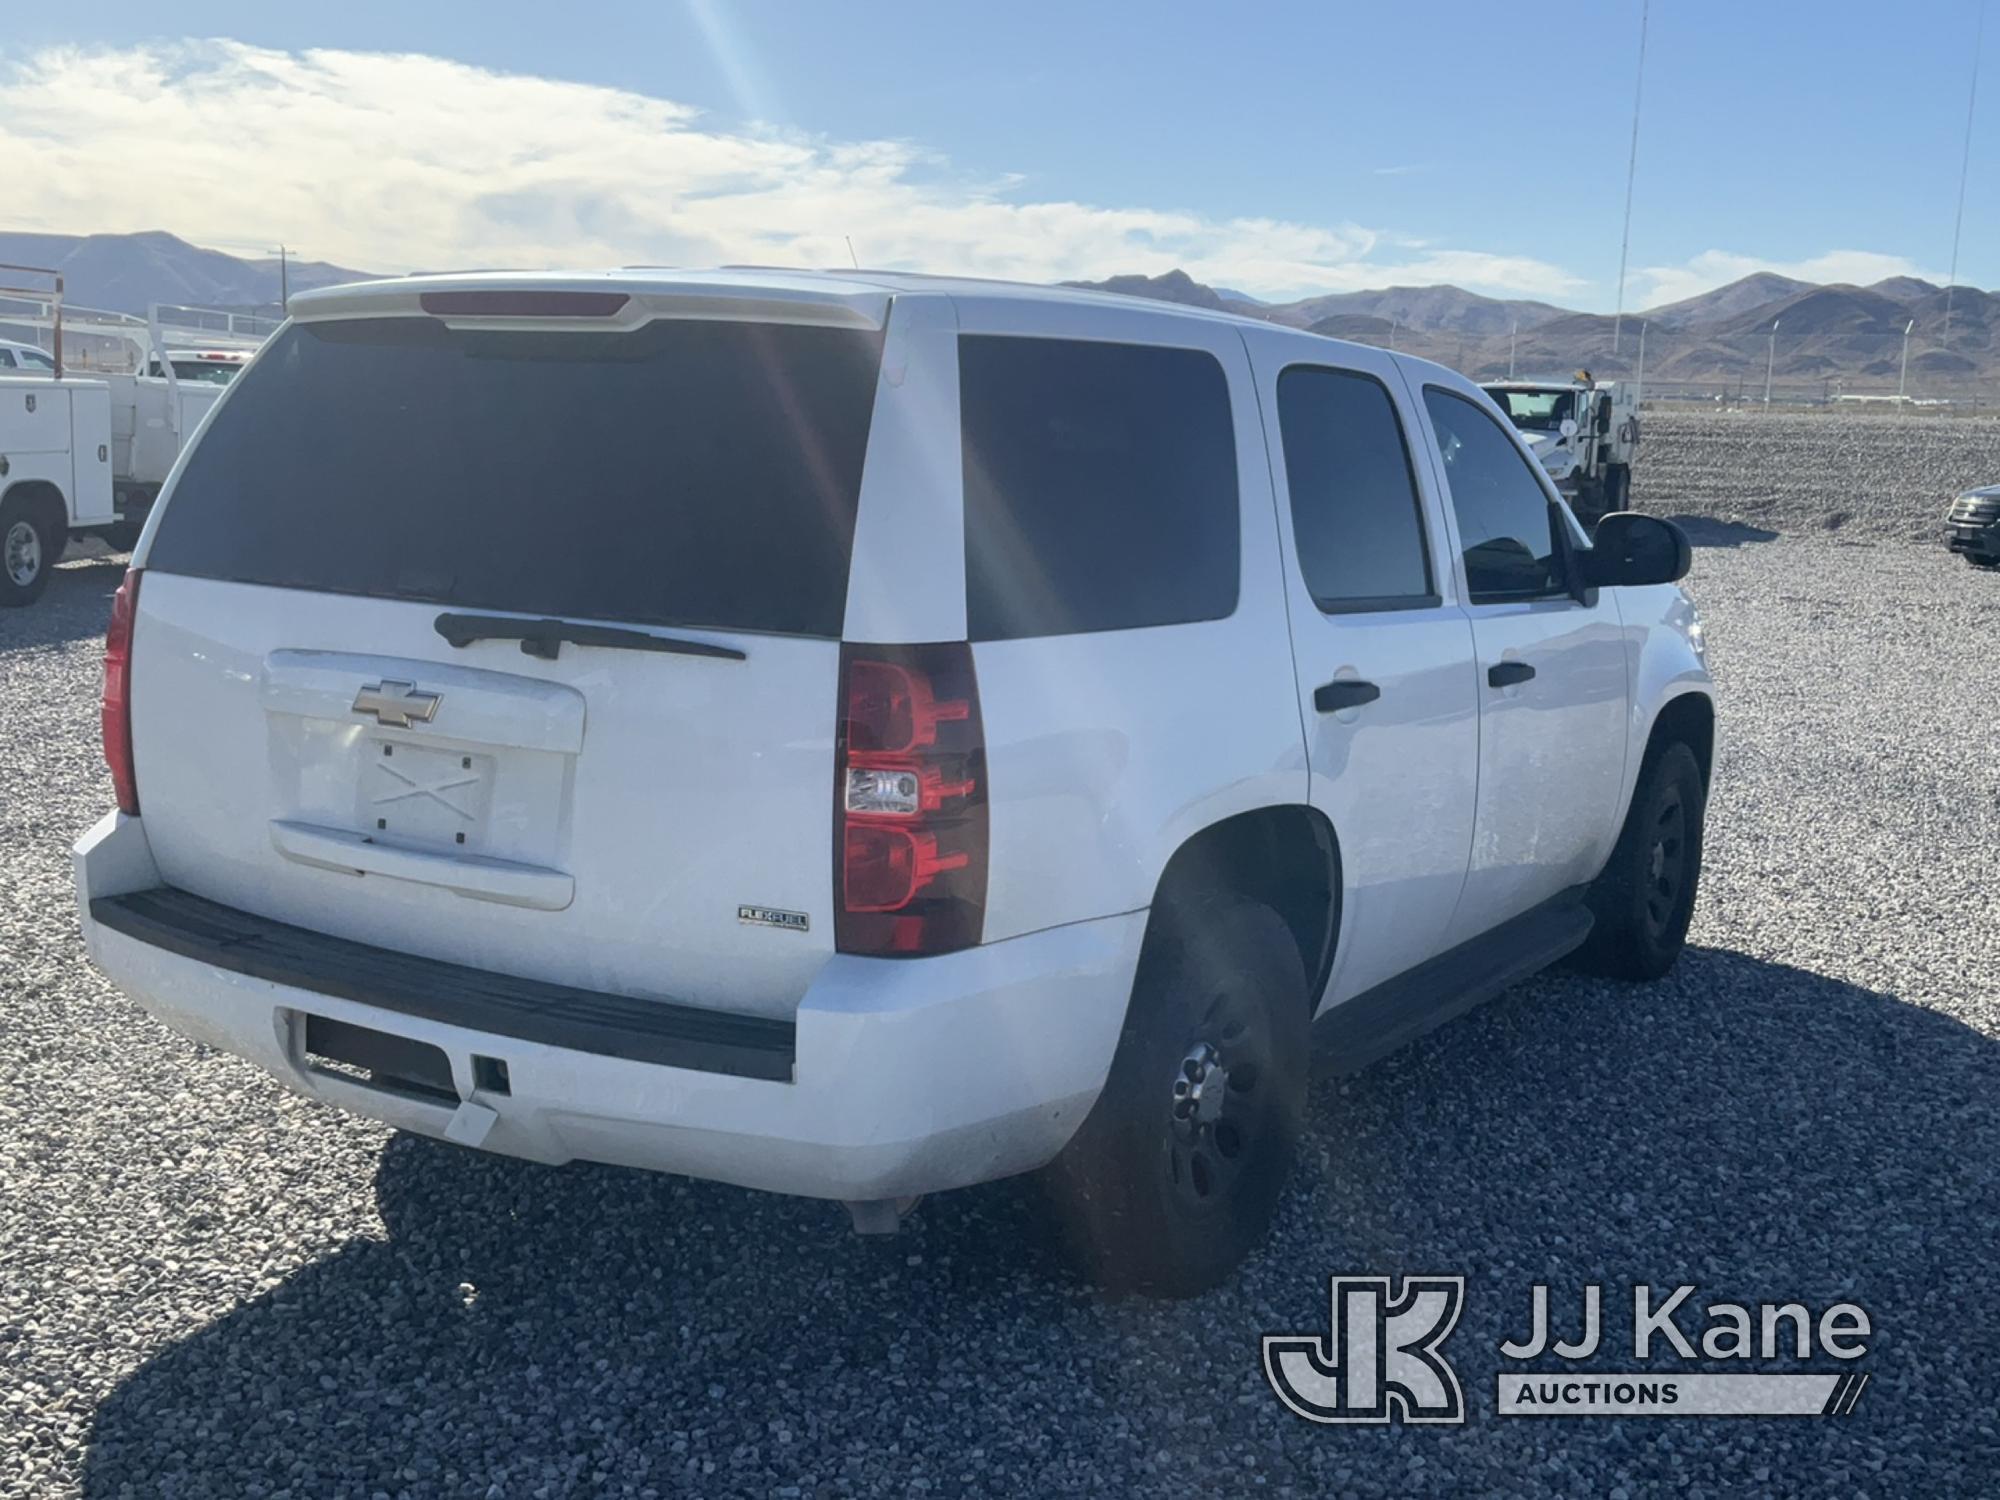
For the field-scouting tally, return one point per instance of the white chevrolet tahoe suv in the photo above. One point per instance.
(860, 735)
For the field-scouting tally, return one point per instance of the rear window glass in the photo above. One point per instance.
(687, 473)
(1100, 486)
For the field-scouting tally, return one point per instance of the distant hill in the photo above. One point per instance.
(128, 272)
(1830, 338)
(1441, 309)
(1174, 286)
(1726, 302)
(1825, 310)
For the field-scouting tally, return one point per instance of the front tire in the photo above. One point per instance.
(1177, 1171)
(1644, 900)
(29, 547)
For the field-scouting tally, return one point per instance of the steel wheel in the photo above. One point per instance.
(1666, 861)
(1644, 899)
(22, 552)
(1214, 1106)
(1176, 1173)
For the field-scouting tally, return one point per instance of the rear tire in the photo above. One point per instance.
(29, 547)
(122, 536)
(1644, 899)
(1177, 1171)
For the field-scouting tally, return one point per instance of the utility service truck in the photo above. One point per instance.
(55, 474)
(86, 454)
(1585, 433)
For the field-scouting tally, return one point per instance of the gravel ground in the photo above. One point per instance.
(210, 1287)
(1877, 475)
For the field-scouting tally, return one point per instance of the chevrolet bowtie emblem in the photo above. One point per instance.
(396, 704)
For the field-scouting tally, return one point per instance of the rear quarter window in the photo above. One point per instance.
(1100, 486)
(695, 473)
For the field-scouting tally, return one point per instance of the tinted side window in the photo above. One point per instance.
(1505, 521)
(1100, 486)
(1354, 501)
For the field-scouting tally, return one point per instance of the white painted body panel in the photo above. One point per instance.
(678, 788)
(58, 432)
(1397, 778)
(1106, 751)
(1551, 756)
(1666, 658)
(913, 1075)
(1552, 750)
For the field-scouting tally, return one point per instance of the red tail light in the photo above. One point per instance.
(117, 713)
(909, 801)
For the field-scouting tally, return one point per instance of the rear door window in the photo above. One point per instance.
(693, 473)
(1507, 525)
(1100, 486)
(1355, 518)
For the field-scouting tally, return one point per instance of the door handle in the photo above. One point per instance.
(1509, 674)
(1347, 692)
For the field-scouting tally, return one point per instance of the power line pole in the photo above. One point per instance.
(284, 281)
(1903, 380)
(1770, 360)
(1513, 333)
(1964, 166)
(1631, 171)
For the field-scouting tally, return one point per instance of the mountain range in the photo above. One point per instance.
(128, 272)
(1828, 337)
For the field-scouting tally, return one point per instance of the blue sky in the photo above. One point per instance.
(1290, 148)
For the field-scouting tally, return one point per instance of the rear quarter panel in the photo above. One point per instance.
(1106, 751)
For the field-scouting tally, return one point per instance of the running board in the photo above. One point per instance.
(1377, 1022)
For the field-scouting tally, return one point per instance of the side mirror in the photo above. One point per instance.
(1568, 428)
(1629, 548)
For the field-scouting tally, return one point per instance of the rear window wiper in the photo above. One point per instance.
(545, 638)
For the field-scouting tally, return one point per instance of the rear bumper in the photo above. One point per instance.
(907, 1076)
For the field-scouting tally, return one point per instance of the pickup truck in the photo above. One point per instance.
(858, 735)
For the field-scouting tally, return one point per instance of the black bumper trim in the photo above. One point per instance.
(555, 1015)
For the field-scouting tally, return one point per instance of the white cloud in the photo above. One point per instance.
(396, 162)
(1653, 285)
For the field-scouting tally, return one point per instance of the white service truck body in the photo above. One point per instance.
(55, 474)
(151, 418)
(1583, 432)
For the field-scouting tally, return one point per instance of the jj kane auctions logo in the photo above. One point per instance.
(1382, 1359)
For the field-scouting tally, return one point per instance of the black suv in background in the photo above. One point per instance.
(1972, 526)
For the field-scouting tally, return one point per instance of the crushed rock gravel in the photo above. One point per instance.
(1799, 473)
